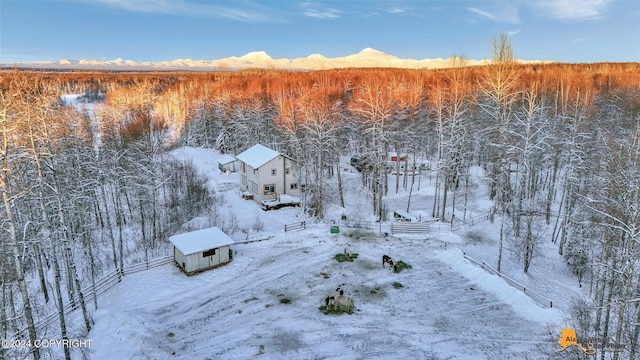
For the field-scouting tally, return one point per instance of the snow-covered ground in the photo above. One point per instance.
(447, 307)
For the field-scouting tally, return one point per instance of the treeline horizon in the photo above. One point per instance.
(80, 80)
(558, 143)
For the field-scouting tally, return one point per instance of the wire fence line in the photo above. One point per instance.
(114, 277)
(457, 224)
(254, 238)
(439, 226)
(90, 292)
(539, 299)
(411, 227)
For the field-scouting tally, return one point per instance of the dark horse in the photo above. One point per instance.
(386, 259)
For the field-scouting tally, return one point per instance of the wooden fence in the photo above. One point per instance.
(102, 285)
(541, 300)
(300, 225)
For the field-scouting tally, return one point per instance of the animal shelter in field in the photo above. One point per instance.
(202, 249)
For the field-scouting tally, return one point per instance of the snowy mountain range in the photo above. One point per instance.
(366, 58)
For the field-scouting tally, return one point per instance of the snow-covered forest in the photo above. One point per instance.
(90, 188)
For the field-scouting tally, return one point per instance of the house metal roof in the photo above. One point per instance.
(200, 240)
(257, 155)
(225, 159)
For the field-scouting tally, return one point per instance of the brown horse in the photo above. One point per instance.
(386, 259)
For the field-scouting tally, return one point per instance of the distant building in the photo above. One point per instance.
(403, 216)
(227, 163)
(395, 157)
(265, 173)
(200, 250)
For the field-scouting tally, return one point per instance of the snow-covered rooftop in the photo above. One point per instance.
(405, 215)
(200, 240)
(257, 155)
(225, 159)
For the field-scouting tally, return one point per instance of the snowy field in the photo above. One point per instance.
(447, 307)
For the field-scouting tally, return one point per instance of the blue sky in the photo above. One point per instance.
(160, 30)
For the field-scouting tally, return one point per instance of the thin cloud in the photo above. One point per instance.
(573, 9)
(403, 11)
(185, 7)
(326, 14)
(367, 15)
(506, 14)
(397, 10)
(513, 32)
(483, 13)
(314, 10)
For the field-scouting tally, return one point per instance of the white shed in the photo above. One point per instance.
(200, 250)
(227, 163)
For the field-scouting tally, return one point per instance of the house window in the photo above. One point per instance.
(208, 253)
(255, 171)
(273, 172)
(244, 179)
(254, 187)
(287, 171)
(269, 189)
(294, 186)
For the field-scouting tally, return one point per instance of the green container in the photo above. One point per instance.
(335, 229)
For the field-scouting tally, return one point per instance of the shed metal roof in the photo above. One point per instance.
(225, 159)
(200, 240)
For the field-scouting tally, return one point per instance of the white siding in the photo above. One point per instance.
(197, 262)
(256, 179)
(193, 263)
(180, 258)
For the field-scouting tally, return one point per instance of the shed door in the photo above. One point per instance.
(213, 256)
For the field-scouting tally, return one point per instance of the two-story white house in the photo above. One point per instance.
(265, 173)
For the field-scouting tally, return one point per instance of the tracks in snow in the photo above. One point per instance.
(235, 311)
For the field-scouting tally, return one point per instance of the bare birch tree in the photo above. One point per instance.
(499, 94)
(7, 156)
